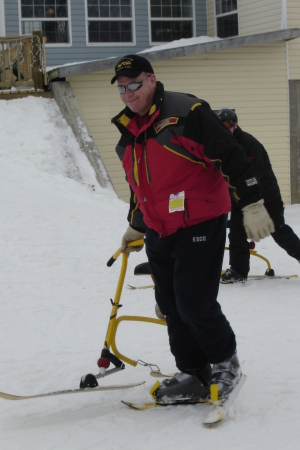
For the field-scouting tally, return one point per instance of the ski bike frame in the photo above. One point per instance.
(116, 357)
(269, 271)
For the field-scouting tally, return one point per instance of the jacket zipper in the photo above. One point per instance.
(147, 189)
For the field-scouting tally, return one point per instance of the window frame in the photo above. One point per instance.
(224, 15)
(109, 44)
(193, 19)
(45, 19)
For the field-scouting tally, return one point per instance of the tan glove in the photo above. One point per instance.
(131, 235)
(257, 222)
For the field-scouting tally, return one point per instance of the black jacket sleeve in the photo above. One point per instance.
(254, 149)
(220, 146)
(261, 164)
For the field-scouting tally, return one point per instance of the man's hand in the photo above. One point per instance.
(131, 235)
(257, 222)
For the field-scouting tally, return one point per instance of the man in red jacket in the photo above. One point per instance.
(170, 146)
(283, 235)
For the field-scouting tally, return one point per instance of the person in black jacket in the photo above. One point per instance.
(284, 236)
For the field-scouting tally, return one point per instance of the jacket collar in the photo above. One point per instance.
(238, 132)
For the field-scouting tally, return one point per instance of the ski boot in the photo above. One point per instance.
(185, 388)
(232, 276)
(226, 375)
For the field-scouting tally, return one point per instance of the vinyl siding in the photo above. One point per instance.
(293, 20)
(200, 17)
(243, 79)
(255, 16)
(11, 17)
(2, 18)
(210, 6)
(259, 16)
(79, 51)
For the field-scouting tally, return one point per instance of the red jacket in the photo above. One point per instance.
(173, 153)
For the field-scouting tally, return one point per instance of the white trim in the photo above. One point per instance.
(47, 19)
(206, 14)
(283, 15)
(230, 12)
(20, 16)
(110, 44)
(287, 61)
(171, 19)
(70, 24)
(133, 23)
(215, 19)
(2, 18)
(194, 18)
(149, 22)
(217, 16)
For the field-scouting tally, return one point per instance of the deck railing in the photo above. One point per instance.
(23, 61)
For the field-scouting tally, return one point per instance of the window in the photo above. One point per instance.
(171, 20)
(110, 21)
(49, 16)
(227, 18)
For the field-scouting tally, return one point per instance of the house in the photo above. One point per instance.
(242, 54)
(84, 30)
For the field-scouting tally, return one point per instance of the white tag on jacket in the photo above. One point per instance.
(176, 202)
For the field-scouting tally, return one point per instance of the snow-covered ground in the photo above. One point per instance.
(57, 232)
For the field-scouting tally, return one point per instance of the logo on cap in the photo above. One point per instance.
(123, 64)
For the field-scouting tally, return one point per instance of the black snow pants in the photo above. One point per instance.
(186, 267)
(284, 236)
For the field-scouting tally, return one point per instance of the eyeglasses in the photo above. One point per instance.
(133, 86)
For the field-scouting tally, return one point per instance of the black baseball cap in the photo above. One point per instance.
(131, 66)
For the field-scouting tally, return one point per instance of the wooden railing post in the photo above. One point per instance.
(23, 61)
(10, 57)
(3, 63)
(37, 63)
(44, 57)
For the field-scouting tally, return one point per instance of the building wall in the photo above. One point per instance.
(242, 78)
(11, 17)
(255, 16)
(210, 7)
(2, 18)
(294, 86)
(259, 16)
(293, 20)
(79, 51)
(293, 47)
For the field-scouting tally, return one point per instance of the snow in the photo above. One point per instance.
(58, 230)
(169, 45)
(181, 43)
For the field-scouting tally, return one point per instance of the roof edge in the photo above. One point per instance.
(179, 52)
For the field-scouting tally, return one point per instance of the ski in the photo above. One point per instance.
(129, 286)
(250, 277)
(267, 277)
(69, 391)
(219, 409)
(141, 406)
(156, 374)
(157, 404)
(260, 277)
